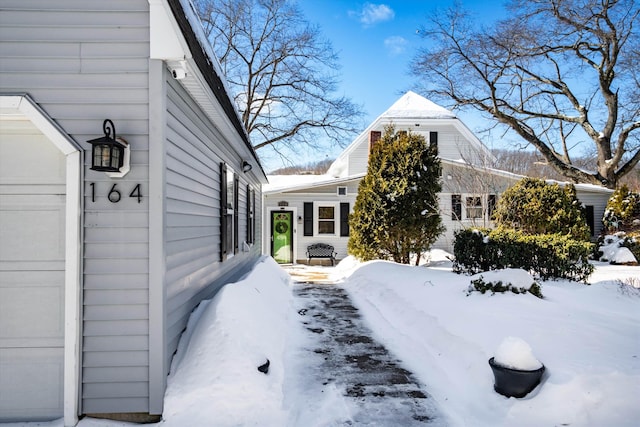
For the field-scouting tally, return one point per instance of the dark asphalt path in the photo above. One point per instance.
(342, 356)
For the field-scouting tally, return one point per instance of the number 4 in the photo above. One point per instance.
(136, 193)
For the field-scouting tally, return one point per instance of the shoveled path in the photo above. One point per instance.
(342, 358)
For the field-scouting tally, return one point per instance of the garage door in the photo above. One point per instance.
(32, 236)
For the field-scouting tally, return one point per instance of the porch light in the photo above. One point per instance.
(246, 166)
(107, 153)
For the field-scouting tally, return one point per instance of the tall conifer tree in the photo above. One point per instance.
(396, 212)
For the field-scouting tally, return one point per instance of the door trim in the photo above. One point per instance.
(267, 229)
(272, 214)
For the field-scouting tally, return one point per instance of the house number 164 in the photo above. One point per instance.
(114, 195)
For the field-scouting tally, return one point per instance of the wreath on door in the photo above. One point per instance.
(282, 227)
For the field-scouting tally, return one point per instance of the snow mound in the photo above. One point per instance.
(515, 353)
(215, 376)
(613, 252)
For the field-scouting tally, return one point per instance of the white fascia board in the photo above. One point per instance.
(166, 40)
(13, 106)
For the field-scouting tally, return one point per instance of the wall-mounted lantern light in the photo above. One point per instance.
(246, 166)
(109, 153)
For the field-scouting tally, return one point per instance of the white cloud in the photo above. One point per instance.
(395, 45)
(373, 13)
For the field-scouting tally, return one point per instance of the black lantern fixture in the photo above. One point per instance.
(107, 153)
(246, 166)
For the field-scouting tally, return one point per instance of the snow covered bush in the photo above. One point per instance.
(471, 252)
(549, 256)
(618, 248)
(623, 210)
(483, 287)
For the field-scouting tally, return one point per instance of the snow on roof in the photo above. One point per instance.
(412, 105)
(589, 188)
(279, 183)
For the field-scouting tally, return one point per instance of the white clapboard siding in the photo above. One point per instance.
(599, 204)
(86, 61)
(83, 62)
(195, 148)
(296, 200)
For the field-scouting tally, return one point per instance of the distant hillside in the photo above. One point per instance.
(311, 168)
(529, 163)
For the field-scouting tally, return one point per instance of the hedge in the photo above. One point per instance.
(549, 256)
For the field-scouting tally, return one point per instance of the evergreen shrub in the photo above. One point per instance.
(536, 207)
(483, 287)
(623, 211)
(396, 214)
(549, 256)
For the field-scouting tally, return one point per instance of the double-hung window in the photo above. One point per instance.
(474, 207)
(228, 212)
(326, 219)
(251, 219)
(327, 216)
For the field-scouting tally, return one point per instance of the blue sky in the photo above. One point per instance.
(375, 42)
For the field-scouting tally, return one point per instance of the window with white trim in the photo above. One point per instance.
(342, 191)
(228, 212)
(251, 219)
(474, 207)
(326, 218)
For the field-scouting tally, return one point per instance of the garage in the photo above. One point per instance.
(33, 266)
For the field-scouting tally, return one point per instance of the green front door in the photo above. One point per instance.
(282, 236)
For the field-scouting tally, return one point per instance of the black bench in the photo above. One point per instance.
(321, 250)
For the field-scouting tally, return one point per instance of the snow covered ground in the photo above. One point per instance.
(588, 338)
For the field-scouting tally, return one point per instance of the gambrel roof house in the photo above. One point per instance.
(315, 208)
(103, 256)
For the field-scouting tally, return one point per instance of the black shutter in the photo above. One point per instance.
(308, 219)
(456, 207)
(236, 212)
(344, 219)
(433, 140)
(249, 214)
(491, 202)
(253, 216)
(591, 220)
(223, 212)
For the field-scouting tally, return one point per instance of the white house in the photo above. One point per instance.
(315, 208)
(102, 262)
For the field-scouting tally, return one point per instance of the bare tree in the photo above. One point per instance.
(557, 72)
(282, 73)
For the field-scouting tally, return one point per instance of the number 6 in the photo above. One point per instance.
(114, 195)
